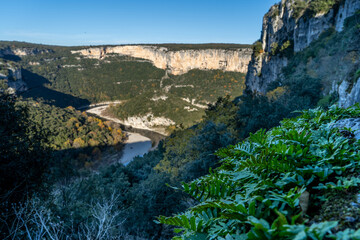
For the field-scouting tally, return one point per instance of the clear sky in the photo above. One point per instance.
(90, 22)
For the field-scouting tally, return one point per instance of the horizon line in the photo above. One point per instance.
(125, 44)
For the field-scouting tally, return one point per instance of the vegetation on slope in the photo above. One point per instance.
(116, 78)
(50, 70)
(22, 152)
(134, 195)
(37, 139)
(70, 128)
(313, 7)
(181, 95)
(274, 184)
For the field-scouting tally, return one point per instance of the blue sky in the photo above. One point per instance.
(90, 22)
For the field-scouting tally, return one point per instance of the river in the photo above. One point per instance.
(139, 141)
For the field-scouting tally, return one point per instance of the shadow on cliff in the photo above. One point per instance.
(37, 89)
(13, 58)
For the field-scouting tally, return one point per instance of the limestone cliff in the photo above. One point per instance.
(11, 78)
(178, 62)
(285, 24)
(9, 51)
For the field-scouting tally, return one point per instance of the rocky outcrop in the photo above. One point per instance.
(280, 25)
(348, 98)
(11, 78)
(264, 70)
(23, 51)
(147, 122)
(178, 62)
(346, 10)
(352, 123)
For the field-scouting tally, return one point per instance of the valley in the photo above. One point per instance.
(136, 144)
(210, 141)
(151, 80)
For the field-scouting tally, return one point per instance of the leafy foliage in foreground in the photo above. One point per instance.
(265, 184)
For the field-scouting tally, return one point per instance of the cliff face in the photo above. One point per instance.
(347, 98)
(11, 78)
(23, 51)
(280, 25)
(179, 62)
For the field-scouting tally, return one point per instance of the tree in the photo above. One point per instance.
(22, 152)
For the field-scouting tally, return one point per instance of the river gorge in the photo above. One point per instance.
(139, 141)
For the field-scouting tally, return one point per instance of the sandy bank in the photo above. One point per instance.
(135, 145)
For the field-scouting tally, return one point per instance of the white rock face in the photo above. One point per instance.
(23, 51)
(348, 9)
(347, 99)
(307, 31)
(280, 25)
(178, 62)
(189, 109)
(148, 121)
(157, 98)
(16, 86)
(353, 123)
(13, 79)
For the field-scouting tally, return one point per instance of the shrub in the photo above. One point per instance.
(298, 8)
(322, 6)
(357, 75)
(274, 48)
(275, 11)
(328, 100)
(286, 49)
(257, 48)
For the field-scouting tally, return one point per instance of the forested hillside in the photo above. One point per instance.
(64, 78)
(48, 141)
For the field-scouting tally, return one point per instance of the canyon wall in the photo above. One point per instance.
(11, 76)
(280, 26)
(23, 51)
(178, 62)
